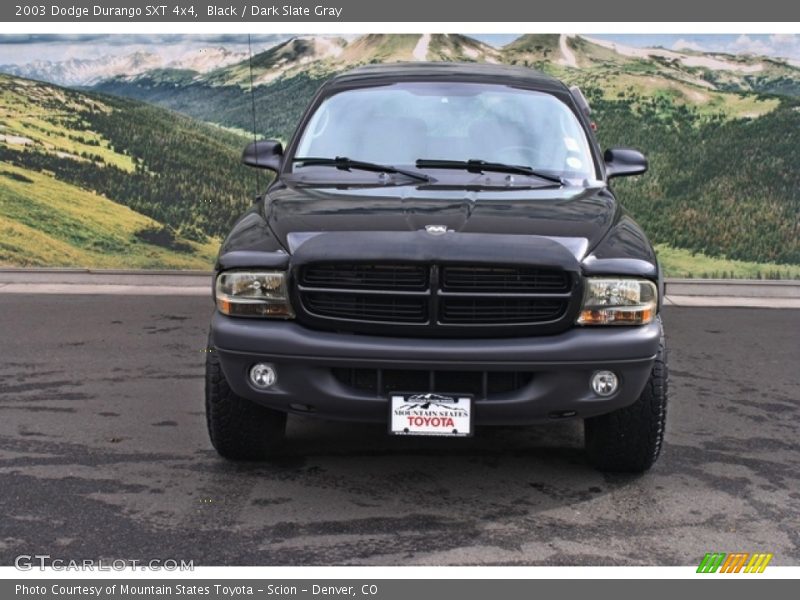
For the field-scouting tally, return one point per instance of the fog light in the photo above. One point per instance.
(263, 375)
(604, 383)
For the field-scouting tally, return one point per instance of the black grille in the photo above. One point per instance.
(481, 384)
(389, 309)
(503, 279)
(365, 277)
(498, 310)
(410, 299)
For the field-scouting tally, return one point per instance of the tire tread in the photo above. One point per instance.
(630, 439)
(239, 429)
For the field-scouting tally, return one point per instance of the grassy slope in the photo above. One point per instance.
(724, 189)
(278, 105)
(53, 216)
(46, 222)
(50, 118)
(635, 112)
(678, 262)
(644, 86)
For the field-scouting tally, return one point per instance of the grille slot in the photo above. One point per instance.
(481, 384)
(530, 280)
(499, 310)
(363, 307)
(365, 276)
(437, 300)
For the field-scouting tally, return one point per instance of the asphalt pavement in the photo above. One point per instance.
(104, 454)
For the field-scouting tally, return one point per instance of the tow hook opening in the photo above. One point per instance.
(563, 414)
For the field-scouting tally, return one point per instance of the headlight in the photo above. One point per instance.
(615, 301)
(253, 294)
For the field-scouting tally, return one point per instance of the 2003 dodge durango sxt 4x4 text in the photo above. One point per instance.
(440, 250)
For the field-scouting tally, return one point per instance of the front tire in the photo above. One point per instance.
(629, 440)
(239, 429)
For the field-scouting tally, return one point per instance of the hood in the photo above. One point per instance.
(579, 217)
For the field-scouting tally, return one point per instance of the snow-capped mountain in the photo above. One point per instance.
(204, 60)
(87, 72)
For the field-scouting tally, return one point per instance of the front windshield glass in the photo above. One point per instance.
(400, 123)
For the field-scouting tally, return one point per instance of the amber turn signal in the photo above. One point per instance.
(618, 301)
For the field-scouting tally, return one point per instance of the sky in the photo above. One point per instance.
(21, 49)
(780, 45)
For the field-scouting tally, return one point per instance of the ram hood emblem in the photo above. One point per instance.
(436, 229)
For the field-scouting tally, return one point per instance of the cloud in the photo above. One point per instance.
(683, 44)
(48, 38)
(137, 39)
(778, 45)
(784, 39)
(786, 45)
(744, 44)
(25, 48)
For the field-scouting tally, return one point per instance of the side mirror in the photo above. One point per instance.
(263, 154)
(621, 162)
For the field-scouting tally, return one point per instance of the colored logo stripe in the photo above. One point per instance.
(758, 563)
(711, 562)
(734, 562)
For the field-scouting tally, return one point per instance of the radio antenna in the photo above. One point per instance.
(253, 106)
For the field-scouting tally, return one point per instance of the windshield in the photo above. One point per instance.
(402, 123)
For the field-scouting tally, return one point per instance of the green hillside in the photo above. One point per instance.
(721, 187)
(678, 262)
(278, 105)
(91, 180)
(722, 180)
(45, 222)
(721, 132)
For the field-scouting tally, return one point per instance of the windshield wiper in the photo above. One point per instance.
(345, 164)
(479, 166)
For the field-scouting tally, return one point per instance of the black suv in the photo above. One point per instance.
(440, 249)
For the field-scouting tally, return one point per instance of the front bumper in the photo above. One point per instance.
(561, 366)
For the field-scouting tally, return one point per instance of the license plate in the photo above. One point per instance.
(431, 414)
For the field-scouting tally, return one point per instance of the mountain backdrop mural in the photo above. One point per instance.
(136, 163)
